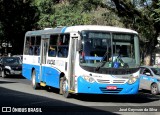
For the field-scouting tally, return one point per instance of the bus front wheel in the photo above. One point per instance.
(35, 85)
(64, 87)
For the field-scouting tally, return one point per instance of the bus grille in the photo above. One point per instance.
(104, 90)
(119, 81)
(111, 82)
(103, 81)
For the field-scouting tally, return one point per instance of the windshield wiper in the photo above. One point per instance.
(102, 63)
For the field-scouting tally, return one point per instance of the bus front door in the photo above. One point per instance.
(72, 61)
(43, 56)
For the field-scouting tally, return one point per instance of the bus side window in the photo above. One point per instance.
(63, 52)
(37, 45)
(27, 46)
(36, 50)
(63, 45)
(52, 51)
(60, 54)
(31, 50)
(32, 45)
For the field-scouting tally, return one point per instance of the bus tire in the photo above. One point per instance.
(3, 74)
(154, 89)
(35, 85)
(64, 87)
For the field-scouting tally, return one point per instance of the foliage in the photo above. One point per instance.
(142, 17)
(60, 14)
(74, 12)
(17, 17)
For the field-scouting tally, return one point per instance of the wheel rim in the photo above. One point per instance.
(33, 80)
(154, 89)
(64, 86)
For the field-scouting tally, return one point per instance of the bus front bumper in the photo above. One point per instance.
(97, 88)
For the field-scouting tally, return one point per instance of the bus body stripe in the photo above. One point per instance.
(63, 30)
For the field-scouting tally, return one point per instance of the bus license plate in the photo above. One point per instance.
(111, 87)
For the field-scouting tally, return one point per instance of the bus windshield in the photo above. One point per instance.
(114, 50)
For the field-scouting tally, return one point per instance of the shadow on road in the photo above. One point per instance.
(146, 92)
(10, 98)
(14, 77)
(6, 82)
(141, 97)
(138, 98)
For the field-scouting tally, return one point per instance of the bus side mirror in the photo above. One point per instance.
(79, 45)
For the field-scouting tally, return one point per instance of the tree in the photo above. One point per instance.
(17, 17)
(140, 18)
(62, 13)
(74, 12)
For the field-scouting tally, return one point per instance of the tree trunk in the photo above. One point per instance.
(147, 60)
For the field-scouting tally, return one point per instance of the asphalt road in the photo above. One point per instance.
(18, 96)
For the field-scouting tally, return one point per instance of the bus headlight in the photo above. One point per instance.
(132, 80)
(89, 79)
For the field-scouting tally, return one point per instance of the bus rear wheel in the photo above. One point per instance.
(35, 85)
(64, 87)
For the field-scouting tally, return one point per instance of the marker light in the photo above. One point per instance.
(89, 79)
(132, 79)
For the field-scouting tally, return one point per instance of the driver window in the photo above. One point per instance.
(146, 72)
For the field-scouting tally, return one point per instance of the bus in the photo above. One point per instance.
(83, 59)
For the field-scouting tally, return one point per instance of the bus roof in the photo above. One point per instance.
(77, 28)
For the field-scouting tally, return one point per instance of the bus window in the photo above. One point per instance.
(63, 45)
(37, 45)
(30, 50)
(52, 52)
(33, 40)
(31, 45)
(123, 45)
(27, 44)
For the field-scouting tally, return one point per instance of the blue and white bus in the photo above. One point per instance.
(90, 59)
